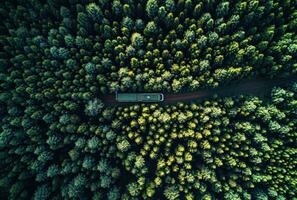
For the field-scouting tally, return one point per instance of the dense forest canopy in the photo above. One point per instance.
(59, 141)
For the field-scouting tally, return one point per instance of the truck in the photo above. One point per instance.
(139, 97)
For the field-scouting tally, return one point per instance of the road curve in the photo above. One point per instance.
(256, 86)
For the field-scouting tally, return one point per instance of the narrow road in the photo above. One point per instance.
(256, 86)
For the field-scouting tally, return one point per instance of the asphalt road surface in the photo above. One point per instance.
(257, 86)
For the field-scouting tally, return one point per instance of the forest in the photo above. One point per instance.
(59, 140)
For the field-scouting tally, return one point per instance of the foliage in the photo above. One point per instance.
(59, 141)
(225, 148)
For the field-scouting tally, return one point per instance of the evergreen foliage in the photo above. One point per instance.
(225, 148)
(58, 140)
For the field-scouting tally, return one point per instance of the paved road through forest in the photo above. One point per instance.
(257, 86)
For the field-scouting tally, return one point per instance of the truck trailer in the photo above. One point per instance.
(139, 97)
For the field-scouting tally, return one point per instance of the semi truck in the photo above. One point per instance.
(139, 97)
